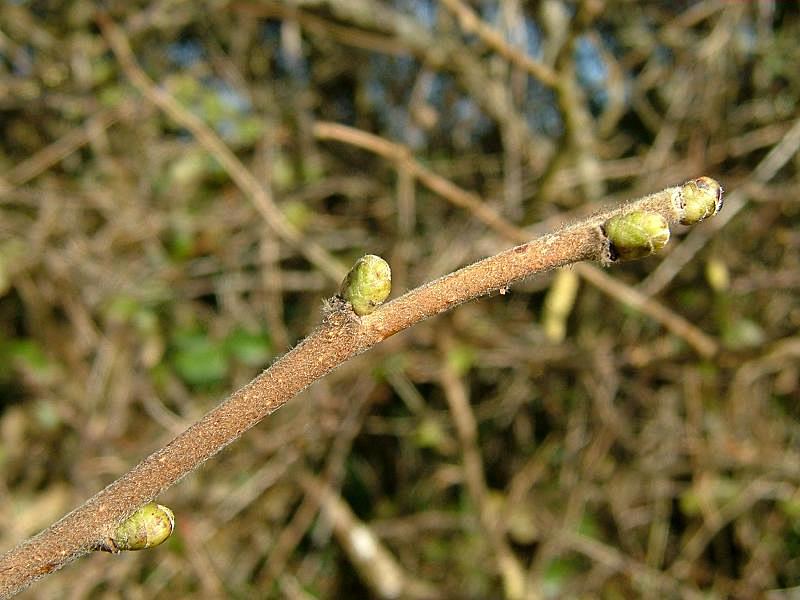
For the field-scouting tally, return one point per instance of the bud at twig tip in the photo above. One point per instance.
(700, 198)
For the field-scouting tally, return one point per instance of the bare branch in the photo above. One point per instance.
(341, 336)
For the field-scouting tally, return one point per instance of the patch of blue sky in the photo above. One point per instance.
(489, 11)
(524, 34)
(293, 64)
(468, 114)
(21, 61)
(541, 112)
(397, 122)
(389, 75)
(376, 92)
(440, 84)
(424, 11)
(185, 53)
(533, 39)
(746, 38)
(592, 71)
(231, 98)
(271, 32)
(232, 107)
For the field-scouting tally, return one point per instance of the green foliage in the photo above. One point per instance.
(559, 574)
(27, 355)
(201, 360)
(462, 358)
(253, 349)
(198, 359)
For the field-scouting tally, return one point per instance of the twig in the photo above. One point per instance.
(702, 343)
(402, 156)
(291, 535)
(769, 166)
(341, 336)
(349, 36)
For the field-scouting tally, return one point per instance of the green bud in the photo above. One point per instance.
(700, 198)
(636, 234)
(367, 284)
(149, 526)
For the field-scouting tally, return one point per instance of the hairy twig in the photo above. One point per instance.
(702, 343)
(341, 336)
(766, 169)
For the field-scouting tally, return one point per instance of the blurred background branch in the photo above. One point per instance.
(139, 284)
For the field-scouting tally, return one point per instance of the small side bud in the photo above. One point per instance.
(700, 198)
(367, 284)
(149, 526)
(635, 235)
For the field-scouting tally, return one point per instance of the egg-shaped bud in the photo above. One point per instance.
(636, 234)
(700, 198)
(367, 284)
(149, 526)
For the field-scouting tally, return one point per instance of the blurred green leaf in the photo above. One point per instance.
(742, 333)
(251, 348)
(122, 308)
(557, 574)
(27, 354)
(297, 213)
(199, 360)
(429, 434)
(462, 358)
(47, 415)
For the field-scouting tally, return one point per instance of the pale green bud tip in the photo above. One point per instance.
(149, 526)
(367, 284)
(636, 234)
(700, 198)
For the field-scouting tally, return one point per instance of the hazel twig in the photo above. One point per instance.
(339, 337)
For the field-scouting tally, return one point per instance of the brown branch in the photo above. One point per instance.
(342, 34)
(402, 156)
(766, 169)
(702, 343)
(341, 336)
